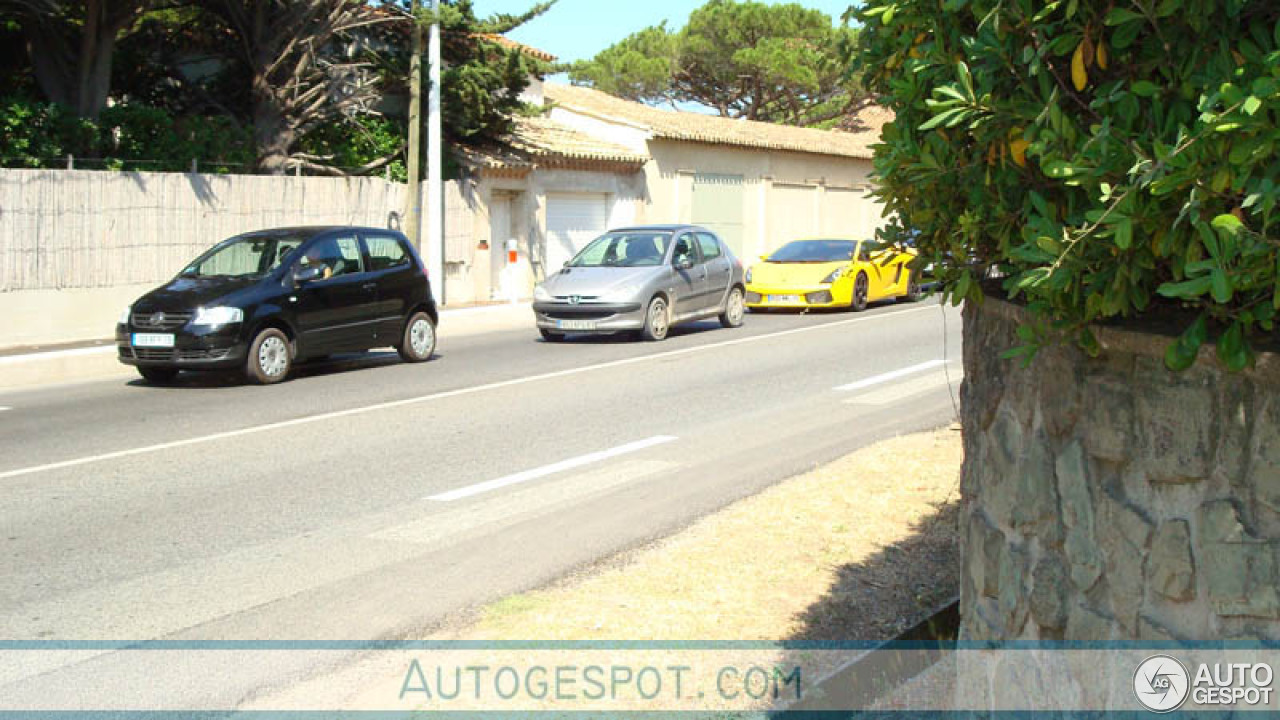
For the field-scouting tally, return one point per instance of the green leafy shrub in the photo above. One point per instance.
(1107, 159)
(125, 137)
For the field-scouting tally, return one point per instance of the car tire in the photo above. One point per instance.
(158, 375)
(914, 291)
(858, 297)
(551, 336)
(418, 341)
(656, 320)
(270, 357)
(734, 309)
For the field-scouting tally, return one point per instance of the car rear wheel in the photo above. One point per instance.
(656, 322)
(734, 309)
(419, 339)
(158, 376)
(551, 336)
(914, 291)
(270, 357)
(861, 285)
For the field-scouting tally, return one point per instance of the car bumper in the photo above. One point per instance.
(815, 296)
(593, 317)
(219, 349)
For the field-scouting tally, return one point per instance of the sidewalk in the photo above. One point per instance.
(30, 366)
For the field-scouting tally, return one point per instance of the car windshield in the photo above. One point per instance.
(623, 250)
(814, 251)
(245, 256)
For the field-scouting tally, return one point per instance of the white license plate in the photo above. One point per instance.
(784, 298)
(153, 340)
(576, 324)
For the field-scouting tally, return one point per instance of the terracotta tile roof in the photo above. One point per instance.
(510, 44)
(544, 138)
(696, 127)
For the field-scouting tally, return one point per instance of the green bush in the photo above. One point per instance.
(1107, 159)
(125, 137)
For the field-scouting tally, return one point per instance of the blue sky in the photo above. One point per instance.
(577, 29)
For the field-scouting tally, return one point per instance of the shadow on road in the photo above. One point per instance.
(217, 379)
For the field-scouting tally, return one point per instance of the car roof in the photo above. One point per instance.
(659, 228)
(313, 230)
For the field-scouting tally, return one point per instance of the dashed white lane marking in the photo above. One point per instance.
(906, 389)
(2, 408)
(892, 375)
(308, 419)
(517, 504)
(552, 469)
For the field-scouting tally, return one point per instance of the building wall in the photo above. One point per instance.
(675, 167)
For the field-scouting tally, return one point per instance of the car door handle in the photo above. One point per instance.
(370, 286)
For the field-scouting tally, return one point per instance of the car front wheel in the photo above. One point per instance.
(551, 336)
(419, 339)
(861, 286)
(270, 357)
(656, 323)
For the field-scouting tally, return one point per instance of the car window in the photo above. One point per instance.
(336, 256)
(385, 252)
(685, 247)
(623, 250)
(709, 245)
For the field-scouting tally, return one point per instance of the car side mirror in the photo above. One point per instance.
(684, 262)
(304, 275)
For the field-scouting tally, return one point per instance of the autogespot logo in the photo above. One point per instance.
(1161, 683)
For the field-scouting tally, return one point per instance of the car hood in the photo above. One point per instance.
(187, 293)
(597, 280)
(799, 274)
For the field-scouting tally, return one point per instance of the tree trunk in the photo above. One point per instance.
(271, 133)
(71, 57)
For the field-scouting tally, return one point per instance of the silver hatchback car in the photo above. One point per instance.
(644, 280)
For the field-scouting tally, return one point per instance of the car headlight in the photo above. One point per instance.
(622, 294)
(124, 315)
(540, 293)
(749, 274)
(832, 277)
(218, 316)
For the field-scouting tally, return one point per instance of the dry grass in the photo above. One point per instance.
(856, 550)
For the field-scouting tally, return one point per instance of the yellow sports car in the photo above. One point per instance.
(830, 274)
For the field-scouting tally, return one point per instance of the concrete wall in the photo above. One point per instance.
(1110, 499)
(77, 246)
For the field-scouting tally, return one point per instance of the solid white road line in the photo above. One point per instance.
(321, 417)
(553, 468)
(893, 375)
(56, 354)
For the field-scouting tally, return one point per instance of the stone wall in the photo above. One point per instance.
(1110, 499)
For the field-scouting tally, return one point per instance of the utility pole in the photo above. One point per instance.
(435, 181)
(412, 224)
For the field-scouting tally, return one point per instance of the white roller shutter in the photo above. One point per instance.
(850, 213)
(573, 220)
(792, 214)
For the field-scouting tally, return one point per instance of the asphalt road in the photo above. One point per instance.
(368, 499)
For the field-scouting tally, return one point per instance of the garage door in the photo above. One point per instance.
(717, 205)
(792, 214)
(573, 220)
(849, 213)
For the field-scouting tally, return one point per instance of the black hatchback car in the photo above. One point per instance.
(262, 300)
